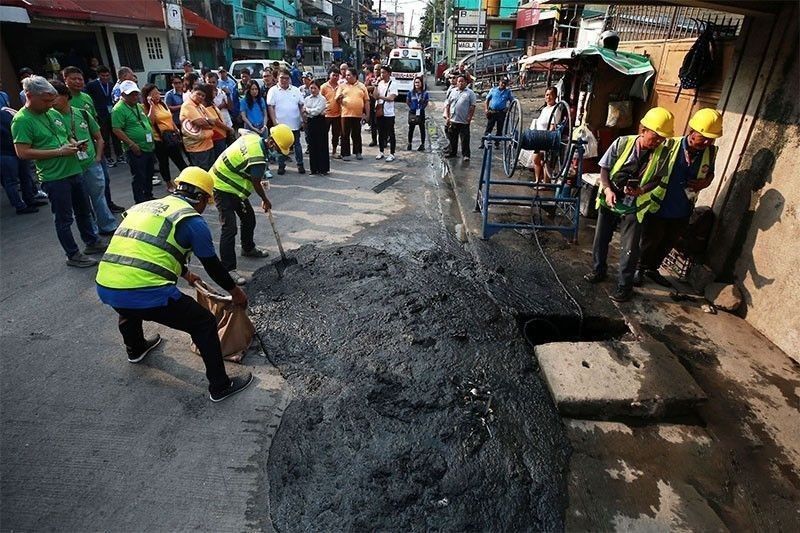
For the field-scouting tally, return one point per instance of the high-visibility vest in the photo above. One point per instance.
(143, 252)
(230, 169)
(651, 201)
(629, 141)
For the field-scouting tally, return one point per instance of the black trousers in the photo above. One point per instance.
(164, 154)
(496, 119)
(373, 121)
(386, 134)
(351, 130)
(411, 127)
(230, 206)
(142, 168)
(455, 132)
(659, 236)
(335, 129)
(317, 138)
(108, 137)
(630, 232)
(183, 314)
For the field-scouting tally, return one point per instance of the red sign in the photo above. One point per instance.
(528, 15)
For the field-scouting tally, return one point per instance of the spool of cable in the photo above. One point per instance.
(540, 140)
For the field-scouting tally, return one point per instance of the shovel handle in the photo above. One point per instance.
(275, 231)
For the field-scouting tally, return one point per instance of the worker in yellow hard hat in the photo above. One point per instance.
(632, 166)
(238, 172)
(137, 276)
(668, 207)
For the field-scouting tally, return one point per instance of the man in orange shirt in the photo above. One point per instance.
(333, 112)
(354, 99)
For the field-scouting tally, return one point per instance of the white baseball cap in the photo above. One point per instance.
(128, 87)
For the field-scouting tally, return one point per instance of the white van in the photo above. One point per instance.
(255, 66)
(406, 64)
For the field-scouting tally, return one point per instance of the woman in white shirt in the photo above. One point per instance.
(541, 123)
(316, 131)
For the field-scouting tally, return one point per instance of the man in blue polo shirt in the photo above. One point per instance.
(497, 102)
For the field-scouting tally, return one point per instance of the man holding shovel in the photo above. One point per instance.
(237, 173)
(138, 274)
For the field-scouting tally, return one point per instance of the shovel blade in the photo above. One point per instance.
(283, 264)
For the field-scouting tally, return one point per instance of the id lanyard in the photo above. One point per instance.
(52, 129)
(148, 135)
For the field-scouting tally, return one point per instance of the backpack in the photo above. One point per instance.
(699, 63)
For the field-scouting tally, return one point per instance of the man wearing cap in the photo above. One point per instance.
(285, 106)
(632, 166)
(130, 124)
(187, 67)
(496, 106)
(237, 173)
(308, 79)
(670, 204)
(138, 273)
(41, 135)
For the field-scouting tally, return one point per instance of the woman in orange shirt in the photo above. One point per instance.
(220, 130)
(166, 136)
(197, 128)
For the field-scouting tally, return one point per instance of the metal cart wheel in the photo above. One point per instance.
(512, 128)
(556, 159)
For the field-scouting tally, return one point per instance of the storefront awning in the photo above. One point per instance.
(138, 13)
(202, 28)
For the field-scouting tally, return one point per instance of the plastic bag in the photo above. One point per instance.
(235, 329)
(583, 133)
(620, 114)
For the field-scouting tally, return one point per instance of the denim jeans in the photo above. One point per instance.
(298, 152)
(68, 197)
(94, 182)
(17, 181)
(142, 170)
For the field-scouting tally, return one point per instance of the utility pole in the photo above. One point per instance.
(433, 6)
(446, 31)
(395, 23)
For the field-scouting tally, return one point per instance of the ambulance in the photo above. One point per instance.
(406, 64)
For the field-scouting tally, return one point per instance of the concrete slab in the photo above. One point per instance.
(617, 379)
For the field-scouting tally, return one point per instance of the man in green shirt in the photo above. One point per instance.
(81, 127)
(40, 135)
(131, 125)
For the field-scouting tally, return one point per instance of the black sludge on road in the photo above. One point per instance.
(415, 405)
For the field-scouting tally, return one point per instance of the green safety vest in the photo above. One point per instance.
(652, 166)
(230, 169)
(143, 252)
(651, 201)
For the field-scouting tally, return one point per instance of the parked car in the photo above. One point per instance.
(162, 79)
(256, 67)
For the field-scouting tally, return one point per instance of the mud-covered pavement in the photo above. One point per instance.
(415, 402)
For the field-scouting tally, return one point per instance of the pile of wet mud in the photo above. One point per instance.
(415, 402)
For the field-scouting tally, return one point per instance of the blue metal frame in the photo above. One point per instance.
(566, 197)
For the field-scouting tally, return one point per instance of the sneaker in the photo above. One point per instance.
(359, 157)
(267, 175)
(122, 160)
(638, 280)
(41, 195)
(38, 203)
(136, 356)
(98, 247)
(346, 158)
(421, 148)
(239, 383)
(622, 294)
(281, 171)
(116, 208)
(339, 156)
(408, 147)
(390, 158)
(156, 180)
(81, 261)
(28, 209)
(595, 277)
(656, 276)
(255, 252)
(379, 156)
(110, 163)
(466, 158)
(301, 169)
(373, 143)
(237, 278)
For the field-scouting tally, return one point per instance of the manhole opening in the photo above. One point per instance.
(554, 328)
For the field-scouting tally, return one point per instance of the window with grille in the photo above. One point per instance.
(249, 8)
(154, 50)
(128, 50)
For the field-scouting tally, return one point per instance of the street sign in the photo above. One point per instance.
(469, 17)
(470, 31)
(469, 46)
(174, 19)
(363, 30)
(377, 23)
(436, 39)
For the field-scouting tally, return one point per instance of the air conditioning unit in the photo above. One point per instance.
(506, 35)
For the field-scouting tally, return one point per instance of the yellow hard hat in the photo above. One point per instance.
(283, 137)
(198, 177)
(660, 121)
(707, 122)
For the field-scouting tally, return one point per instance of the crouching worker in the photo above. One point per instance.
(138, 274)
(632, 166)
